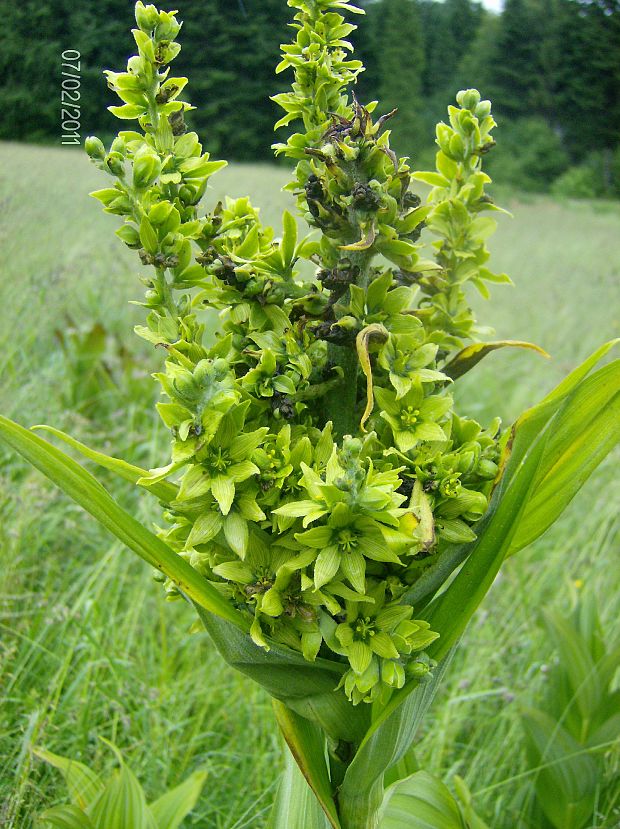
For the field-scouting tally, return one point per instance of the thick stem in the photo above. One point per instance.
(341, 402)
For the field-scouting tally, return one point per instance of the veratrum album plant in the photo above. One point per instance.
(331, 516)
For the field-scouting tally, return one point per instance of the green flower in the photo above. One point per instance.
(345, 542)
(413, 417)
(349, 478)
(377, 639)
(224, 461)
(406, 362)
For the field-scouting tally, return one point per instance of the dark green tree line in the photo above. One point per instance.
(551, 67)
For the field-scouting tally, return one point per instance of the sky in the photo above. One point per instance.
(493, 5)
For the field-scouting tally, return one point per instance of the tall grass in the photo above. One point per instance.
(89, 647)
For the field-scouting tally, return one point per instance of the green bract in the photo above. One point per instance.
(320, 489)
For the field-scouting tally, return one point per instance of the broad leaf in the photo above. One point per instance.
(576, 663)
(524, 457)
(170, 809)
(585, 430)
(306, 742)
(472, 354)
(524, 432)
(568, 778)
(306, 687)
(296, 806)
(66, 817)
(91, 496)
(84, 785)
(386, 743)
(122, 803)
(420, 802)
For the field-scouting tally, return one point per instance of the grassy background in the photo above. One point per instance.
(89, 647)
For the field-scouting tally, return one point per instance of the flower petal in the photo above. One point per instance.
(353, 566)
(326, 566)
(223, 490)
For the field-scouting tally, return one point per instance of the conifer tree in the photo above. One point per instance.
(400, 62)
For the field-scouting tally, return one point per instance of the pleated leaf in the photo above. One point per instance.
(568, 778)
(66, 817)
(420, 802)
(170, 809)
(122, 804)
(306, 743)
(585, 430)
(532, 434)
(85, 490)
(83, 784)
(296, 806)
(306, 687)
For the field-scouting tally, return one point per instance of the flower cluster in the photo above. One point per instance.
(318, 460)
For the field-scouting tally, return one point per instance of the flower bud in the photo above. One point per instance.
(457, 147)
(146, 168)
(147, 17)
(483, 109)
(94, 147)
(160, 212)
(115, 164)
(444, 133)
(487, 469)
(468, 98)
(118, 146)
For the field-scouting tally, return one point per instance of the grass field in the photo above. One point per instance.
(89, 647)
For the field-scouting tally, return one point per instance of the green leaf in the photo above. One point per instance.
(85, 490)
(386, 743)
(497, 531)
(170, 809)
(420, 801)
(577, 664)
(66, 817)
(306, 742)
(296, 806)
(122, 803)
(568, 778)
(472, 354)
(585, 430)
(308, 688)
(84, 785)
(163, 490)
(289, 239)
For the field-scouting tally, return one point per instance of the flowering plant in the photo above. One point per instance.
(321, 490)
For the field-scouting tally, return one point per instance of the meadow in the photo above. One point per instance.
(89, 646)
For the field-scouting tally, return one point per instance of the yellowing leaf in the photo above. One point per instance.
(380, 334)
(472, 354)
